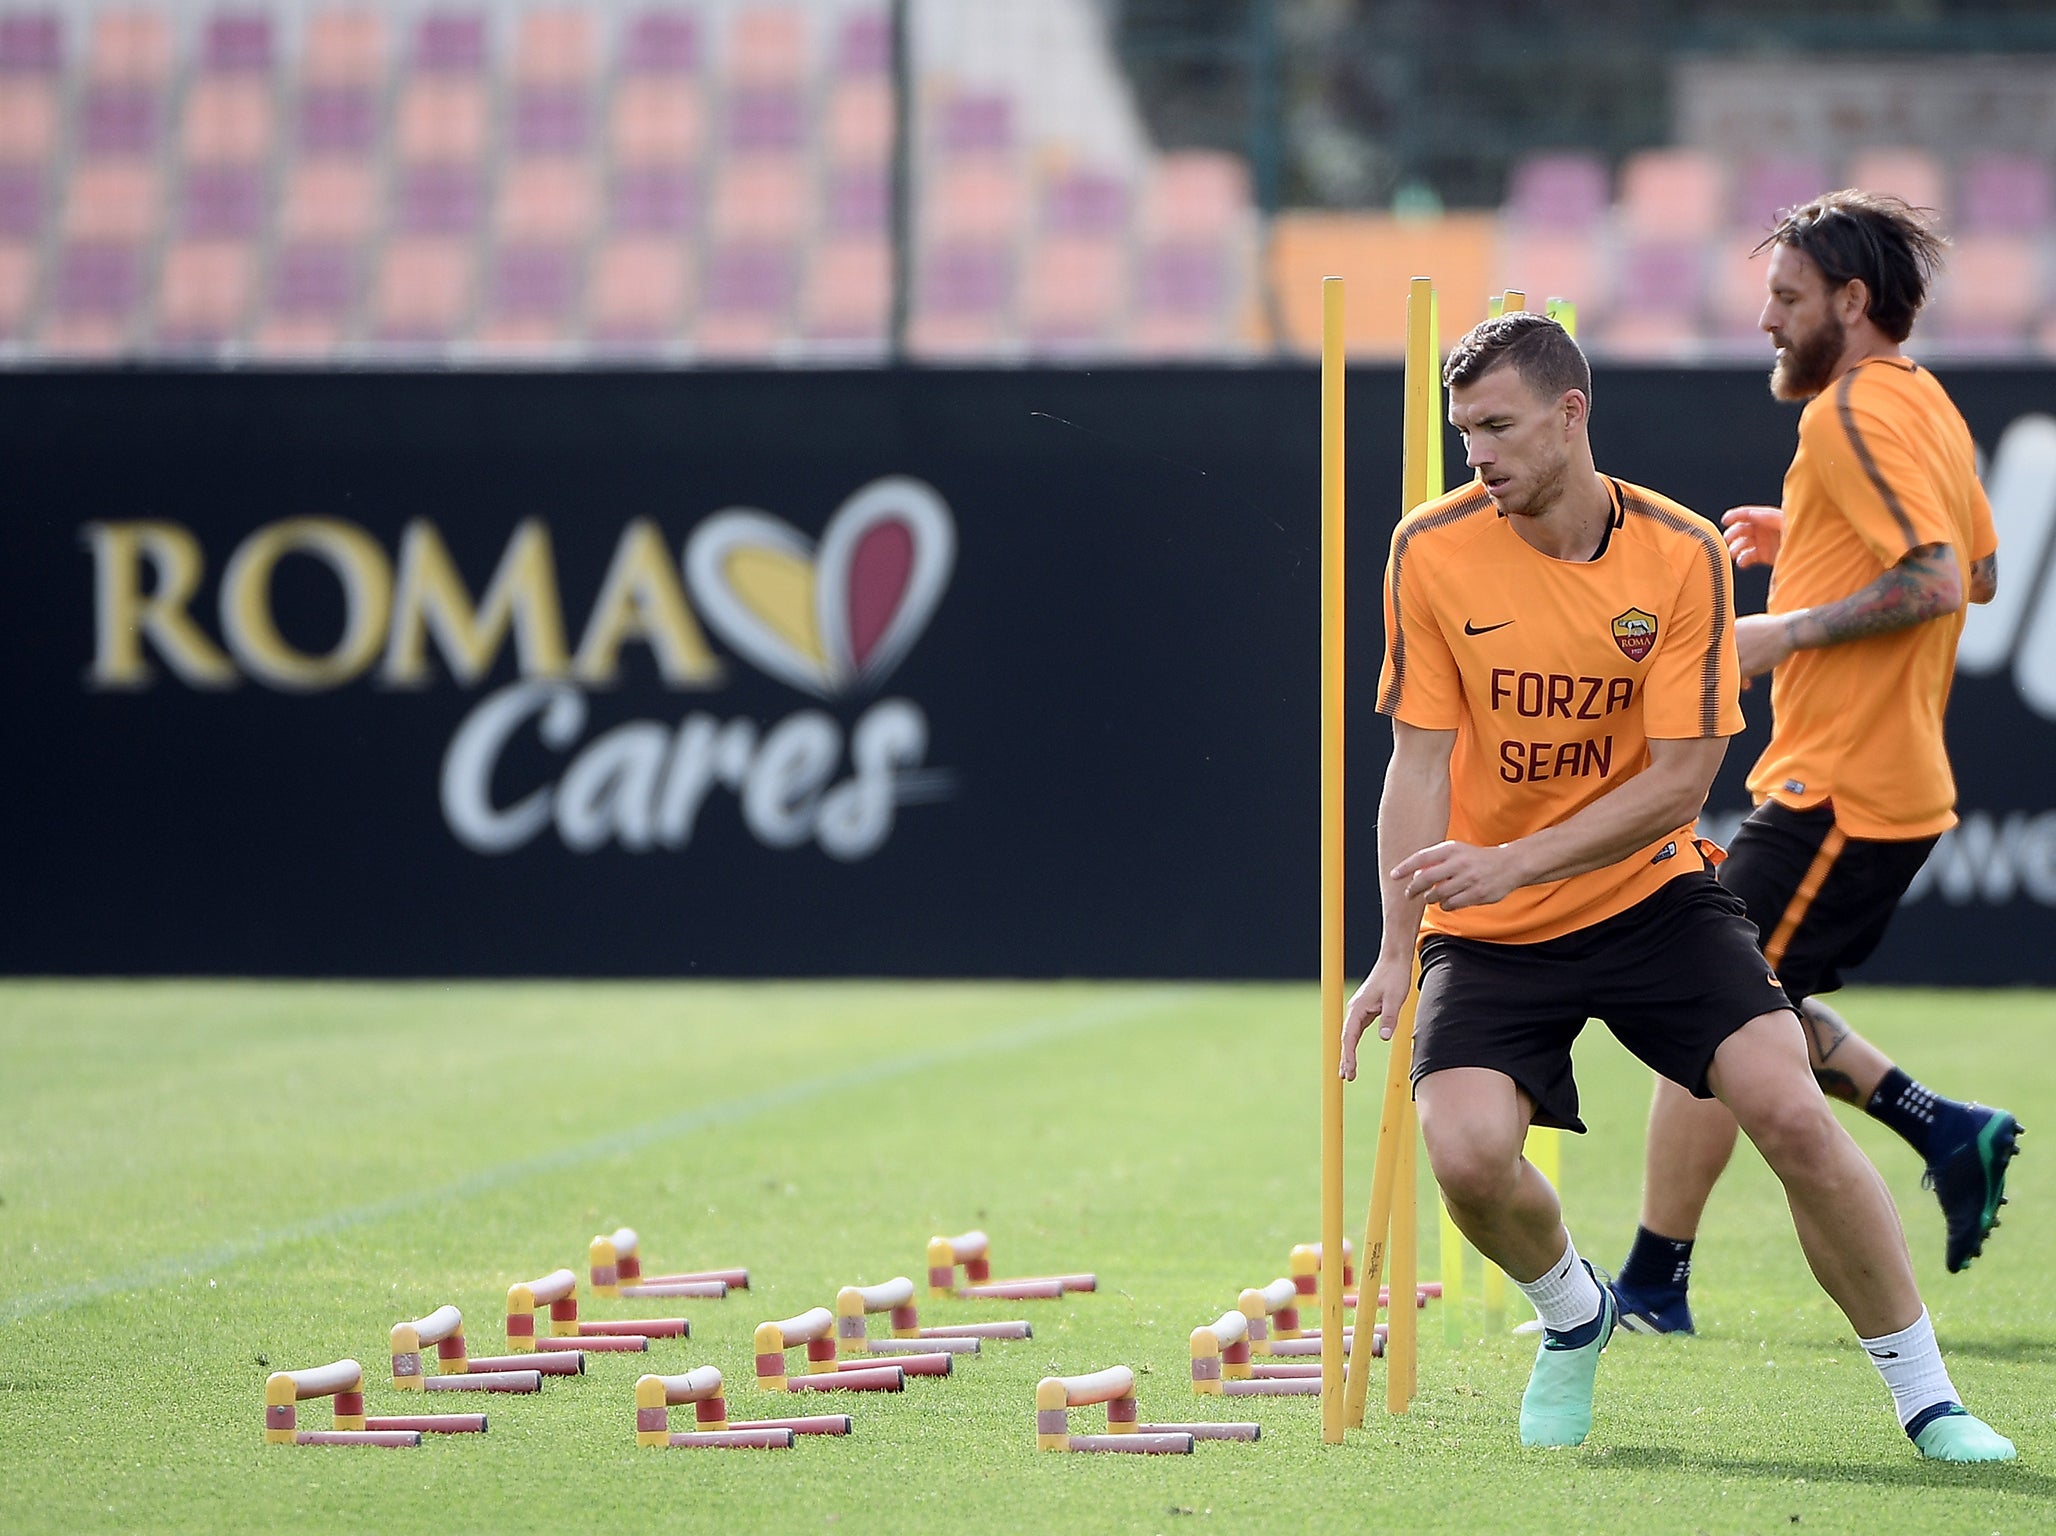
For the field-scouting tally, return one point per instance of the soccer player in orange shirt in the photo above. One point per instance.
(1561, 675)
(1883, 532)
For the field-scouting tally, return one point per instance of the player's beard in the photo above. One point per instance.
(1808, 362)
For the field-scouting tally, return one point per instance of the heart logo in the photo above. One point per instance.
(833, 618)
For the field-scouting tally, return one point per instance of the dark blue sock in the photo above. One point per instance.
(1580, 1336)
(1932, 1125)
(1657, 1266)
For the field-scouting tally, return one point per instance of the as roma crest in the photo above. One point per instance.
(1635, 633)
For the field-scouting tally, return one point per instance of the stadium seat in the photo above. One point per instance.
(204, 293)
(1380, 253)
(972, 123)
(656, 119)
(312, 298)
(1672, 195)
(1769, 185)
(848, 292)
(1735, 294)
(654, 200)
(638, 294)
(228, 118)
(979, 199)
(96, 288)
(330, 200)
(762, 198)
(767, 45)
(857, 126)
(19, 267)
(856, 199)
(28, 119)
(2004, 194)
(661, 42)
(1558, 191)
(1075, 292)
(547, 199)
(227, 201)
(1912, 174)
(1661, 277)
(424, 291)
(1083, 202)
(863, 46)
(1989, 293)
(24, 203)
(442, 120)
(532, 292)
(748, 298)
(1553, 262)
(112, 200)
(760, 119)
(438, 199)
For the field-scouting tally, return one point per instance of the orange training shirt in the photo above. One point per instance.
(1885, 463)
(1554, 674)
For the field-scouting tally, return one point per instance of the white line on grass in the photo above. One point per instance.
(1101, 1015)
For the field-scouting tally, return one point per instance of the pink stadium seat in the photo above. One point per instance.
(112, 201)
(330, 200)
(973, 123)
(534, 280)
(443, 118)
(1672, 195)
(748, 278)
(639, 291)
(556, 47)
(1075, 291)
(424, 291)
(1548, 262)
(655, 200)
(1990, 290)
(1650, 337)
(770, 117)
(980, 199)
(863, 46)
(767, 45)
(1770, 185)
(228, 118)
(547, 200)
(344, 47)
(1912, 174)
(2004, 194)
(964, 277)
(858, 124)
(438, 199)
(1661, 277)
(28, 119)
(204, 292)
(657, 119)
(1563, 190)
(1197, 195)
(19, 266)
(762, 198)
(315, 284)
(336, 119)
(130, 45)
(848, 291)
(223, 202)
(24, 203)
(1736, 291)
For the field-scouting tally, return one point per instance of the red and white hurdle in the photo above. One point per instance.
(973, 1250)
(1056, 1396)
(615, 1264)
(456, 1372)
(815, 1329)
(656, 1396)
(855, 1305)
(559, 1291)
(343, 1380)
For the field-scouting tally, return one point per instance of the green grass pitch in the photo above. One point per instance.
(202, 1182)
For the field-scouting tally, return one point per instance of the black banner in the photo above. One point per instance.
(764, 673)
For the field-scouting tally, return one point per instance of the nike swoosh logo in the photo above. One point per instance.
(1883, 1354)
(1472, 629)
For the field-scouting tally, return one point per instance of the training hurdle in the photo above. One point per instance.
(616, 1270)
(855, 1305)
(343, 1380)
(656, 1396)
(1222, 1366)
(815, 1329)
(1304, 1267)
(444, 1328)
(559, 1289)
(1056, 1396)
(973, 1250)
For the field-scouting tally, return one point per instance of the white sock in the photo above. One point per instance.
(1911, 1363)
(1566, 1296)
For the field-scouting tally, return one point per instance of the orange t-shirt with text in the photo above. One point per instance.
(1885, 464)
(1555, 674)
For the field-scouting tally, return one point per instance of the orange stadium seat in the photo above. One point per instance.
(657, 118)
(858, 121)
(1379, 253)
(204, 292)
(1672, 194)
(424, 291)
(344, 47)
(556, 47)
(554, 199)
(638, 293)
(762, 198)
(981, 199)
(848, 291)
(442, 118)
(1555, 263)
(1913, 174)
(767, 45)
(1075, 291)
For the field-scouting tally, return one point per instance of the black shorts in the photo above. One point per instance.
(1672, 977)
(1820, 900)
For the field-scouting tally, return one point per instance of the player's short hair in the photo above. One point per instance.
(1541, 351)
(1891, 245)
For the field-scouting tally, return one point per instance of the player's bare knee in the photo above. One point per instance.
(1473, 1170)
(1793, 1129)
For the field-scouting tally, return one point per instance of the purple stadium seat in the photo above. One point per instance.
(552, 119)
(864, 45)
(438, 199)
(2004, 194)
(97, 279)
(1183, 278)
(31, 43)
(1661, 277)
(973, 123)
(1558, 191)
(765, 117)
(964, 278)
(535, 281)
(120, 117)
(339, 119)
(314, 280)
(1085, 203)
(1771, 185)
(450, 42)
(751, 279)
(655, 200)
(236, 42)
(24, 202)
(857, 199)
(661, 43)
(223, 202)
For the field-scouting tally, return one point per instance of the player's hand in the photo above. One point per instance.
(1762, 640)
(1454, 875)
(1754, 534)
(1380, 998)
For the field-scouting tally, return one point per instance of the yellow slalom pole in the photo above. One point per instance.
(1396, 1127)
(1564, 313)
(1332, 979)
(1511, 302)
(1402, 1340)
(1452, 1279)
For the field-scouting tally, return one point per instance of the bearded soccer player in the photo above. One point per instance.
(1883, 532)
(1561, 675)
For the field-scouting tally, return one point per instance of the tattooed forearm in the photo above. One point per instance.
(1920, 587)
(1984, 579)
